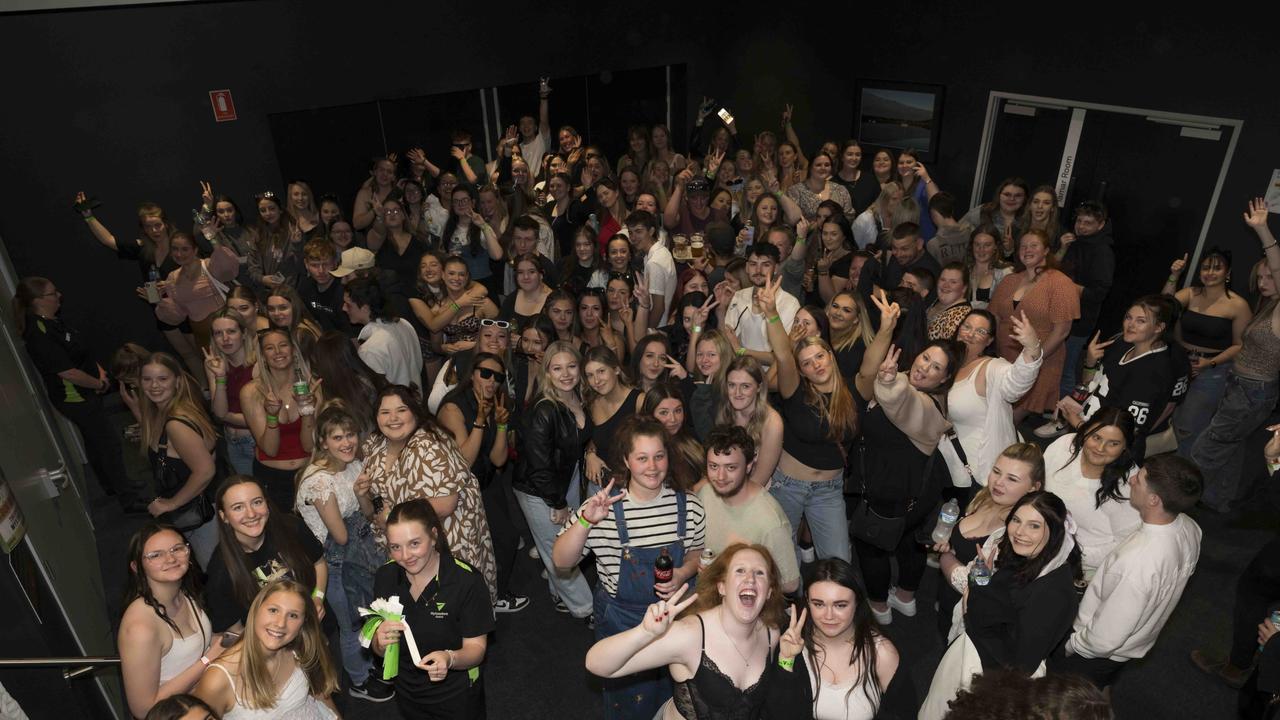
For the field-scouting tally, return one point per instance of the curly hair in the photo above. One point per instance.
(774, 611)
(1002, 694)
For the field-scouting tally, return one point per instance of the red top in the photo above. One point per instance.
(608, 229)
(290, 443)
(237, 377)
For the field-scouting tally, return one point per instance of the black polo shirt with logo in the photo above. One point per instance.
(453, 606)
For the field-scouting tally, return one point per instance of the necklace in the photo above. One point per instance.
(745, 659)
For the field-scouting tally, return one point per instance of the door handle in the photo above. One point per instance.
(53, 482)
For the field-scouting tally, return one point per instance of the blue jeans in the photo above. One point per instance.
(350, 586)
(240, 451)
(1196, 410)
(570, 587)
(1245, 405)
(1071, 369)
(822, 502)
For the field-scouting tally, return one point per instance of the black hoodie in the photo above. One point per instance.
(1091, 263)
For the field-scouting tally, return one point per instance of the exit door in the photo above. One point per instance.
(1158, 174)
(65, 591)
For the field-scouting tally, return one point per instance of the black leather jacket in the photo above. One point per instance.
(550, 447)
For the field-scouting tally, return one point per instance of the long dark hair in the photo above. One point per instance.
(1054, 512)
(282, 536)
(407, 395)
(473, 230)
(990, 349)
(687, 459)
(463, 392)
(1117, 471)
(176, 707)
(347, 377)
(865, 628)
(1214, 253)
(138, 585)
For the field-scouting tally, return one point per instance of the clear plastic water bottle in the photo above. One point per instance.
(947, 519)
(152, 286)
(302, 389)
(981, 573)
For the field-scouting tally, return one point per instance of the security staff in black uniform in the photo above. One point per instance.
(446, 605)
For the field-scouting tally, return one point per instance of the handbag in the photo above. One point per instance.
(196, 512)
(883, 531)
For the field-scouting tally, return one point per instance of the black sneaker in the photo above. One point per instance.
(511, 604)
(560, 606)
(591, 621)
(373, 690)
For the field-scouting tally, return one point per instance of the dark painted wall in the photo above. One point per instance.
(114, 101)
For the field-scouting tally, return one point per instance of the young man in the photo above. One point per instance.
(791, 250)
(742, 313)
(1139, 583)
(920, 281)
(388, 343)
(951, 242)
(535, 135)
(469, 168)
(689, 208)
(659, 266)
(907, 251)
(741, 511)
(319, 289)
(524, 240)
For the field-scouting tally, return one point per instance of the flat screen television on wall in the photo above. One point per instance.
(899, 115)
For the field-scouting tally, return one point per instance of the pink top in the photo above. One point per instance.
(199, 298)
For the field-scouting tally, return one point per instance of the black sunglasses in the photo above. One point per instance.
(491, 374)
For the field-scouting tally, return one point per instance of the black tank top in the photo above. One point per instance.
(1206, 331)
(711, 695)
(602, 434)
(806, 434)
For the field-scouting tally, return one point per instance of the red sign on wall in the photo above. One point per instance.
(223, 108)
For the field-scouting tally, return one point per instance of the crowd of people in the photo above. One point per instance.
(757, 390)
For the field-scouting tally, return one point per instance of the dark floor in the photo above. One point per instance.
(535, 669)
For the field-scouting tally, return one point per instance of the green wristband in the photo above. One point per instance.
(775, 318)
(741, 351)
(696, 329)
(502, 428)
(455, 306)
(584, 522)
(787, 664)
(88, 218)
(273, 419)
(220, 381)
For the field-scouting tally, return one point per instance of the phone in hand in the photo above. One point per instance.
(725, 116)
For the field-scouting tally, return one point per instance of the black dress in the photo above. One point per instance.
(602, 434)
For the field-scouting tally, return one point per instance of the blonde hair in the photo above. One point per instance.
(247, 339)
(862, 332)
(839, 412)
(547, 390)
(186, 404)
(760, 412)
(257, 688)
(717, 338)
(1028, 453)
(299, 360)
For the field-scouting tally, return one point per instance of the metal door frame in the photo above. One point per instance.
(994, 105)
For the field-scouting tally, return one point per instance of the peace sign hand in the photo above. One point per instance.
(786, 114)
(677, 370)
(598, 506)
(1272, 449)
(767, 296)
(703, 311)
(1096, 348)
(714, 158)
(660, 615)
(889, 368)
(206, 194)
(1023, 332)
(792, 641)
(889, 312)
(1178, 264)
(213, 362)
(500, 412)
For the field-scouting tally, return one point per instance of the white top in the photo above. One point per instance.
(829, 700)
(761, 521)
(864, 228)
(1135, 591)
(533, 151)
(294, 702)
(984, 425)
(1100, 529)
(185, 651)
(660, 274)
(318, 486)
(750, 325)
(392, 349)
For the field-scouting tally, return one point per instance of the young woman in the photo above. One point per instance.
(585, 266)
(347, 379)
(1018, 470)
(821, 422)
(612, 400)
(275, 257)
(622, 316)
(531, 292)
(652, 361)
(708, 363)
(534, 338)
(393, 242)
(980, 402)
(455, 317)
(686, 458)
(893, 467)
(416, 219)
(791, 166)
(862, 187)
(831, 257)
(1252, 385)
(477, 413)
(228, 365)
(1090, 471)
(327, 503)
(611, 212)
(592, 322)
(280, 668)
(1211, 330)
(1007, 213)
(845, 660)
(302, 209)
(873, 228)
(494, 337)
(449, 611)
(1042, 214)
(281, 419)
(917, 184)
(439, 205)
(744, 402)
(1050, 301)
(258, 543)
(224, 225)
(818, 187)
(179, 440)
(952, 305)
(467, 234)
(164, 638)
(412, 456)
(722, 654)
(243, 302)
(181, 707)
(493, 211)
(987, 266)
(851, 331)
(660, 139)
(1026, 608)
(561, 308)
(627, 533)
(287, 311)
(197, 288)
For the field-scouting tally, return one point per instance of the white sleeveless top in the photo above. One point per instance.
(831, 703)
(294, 702)
(185, 651)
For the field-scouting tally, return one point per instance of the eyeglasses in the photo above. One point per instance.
(980, 332)
(491, 374)
(177, 551)
(487, 322)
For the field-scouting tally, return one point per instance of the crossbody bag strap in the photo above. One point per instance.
(928, 466)
(964, 459)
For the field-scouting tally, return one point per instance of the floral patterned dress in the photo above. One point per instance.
(431, 466)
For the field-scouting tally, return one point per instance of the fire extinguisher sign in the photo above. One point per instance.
(224, 109)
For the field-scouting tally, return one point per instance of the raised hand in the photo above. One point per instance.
(703, 311)
(500, 412)
(1096, 348)
(767, 296)
(206, 194)
(82, 205)
(598, 506)
(416, 156)
(477, 218)
(714, 158)
(705, 108)
(723, 293)
(889, 368)
(677, 370)
(889, 312)
(1066, 240)
(1256, 217)
(1023, 332)
(660, 615)
(1272, 449)
(786, 114)
(363, 485)
(213, 362)
(1178, 264)
(641, 292)
(792, 640)
(272, 404)
(457, 152)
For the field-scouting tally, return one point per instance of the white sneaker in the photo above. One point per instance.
(808, 555)
(533, 552)
(886, 617)
(1051, 429)
(907, 608)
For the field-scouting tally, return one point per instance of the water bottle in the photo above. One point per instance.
(981, 573)
(1275, 620)
(152, 286)
(300, 390)
(947, 519)
(708, 557)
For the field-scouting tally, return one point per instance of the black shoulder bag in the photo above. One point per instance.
(878, 530)
(197, 511)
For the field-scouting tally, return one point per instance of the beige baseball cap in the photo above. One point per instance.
(353, 259)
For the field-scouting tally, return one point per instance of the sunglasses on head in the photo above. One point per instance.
(491, 374)
(265, 195)
(487, 322)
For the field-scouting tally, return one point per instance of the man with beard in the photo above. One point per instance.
(741, 511)
(740, 311)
